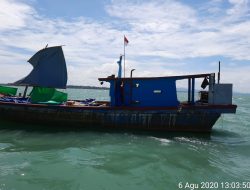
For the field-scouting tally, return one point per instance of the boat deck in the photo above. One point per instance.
(91, 104)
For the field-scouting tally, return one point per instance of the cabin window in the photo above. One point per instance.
(182, 90)
(157, 91)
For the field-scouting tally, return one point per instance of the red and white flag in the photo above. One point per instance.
(125, 40)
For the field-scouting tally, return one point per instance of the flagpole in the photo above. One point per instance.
(124, 56)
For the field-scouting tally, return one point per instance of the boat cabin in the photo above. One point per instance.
(162, 92)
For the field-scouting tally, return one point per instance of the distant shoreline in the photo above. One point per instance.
(87, 87)
(73, 86)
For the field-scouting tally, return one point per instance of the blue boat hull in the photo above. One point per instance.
(186, 118)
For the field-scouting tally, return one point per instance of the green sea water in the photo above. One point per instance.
(125, 161)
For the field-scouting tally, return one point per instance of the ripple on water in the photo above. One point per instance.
(163, 141)
(231, 163)
(4, 146)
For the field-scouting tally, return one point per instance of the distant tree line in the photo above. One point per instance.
(70, 86)
(87, 87)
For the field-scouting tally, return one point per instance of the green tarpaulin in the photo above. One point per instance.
(8, 90)
(47, 95)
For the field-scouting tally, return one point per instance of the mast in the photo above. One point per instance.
(124, 57)
(125, 43)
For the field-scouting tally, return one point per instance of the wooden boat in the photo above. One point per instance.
(144, 104)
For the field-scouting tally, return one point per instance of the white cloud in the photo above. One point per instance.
(151, 16)
(239, 8)
(86, 45)
(175, 30)
(160, 29)
(13, 15)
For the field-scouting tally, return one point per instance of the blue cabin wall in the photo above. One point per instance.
(143, 92)
(155, 92)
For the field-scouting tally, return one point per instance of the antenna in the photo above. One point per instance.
(219, 74)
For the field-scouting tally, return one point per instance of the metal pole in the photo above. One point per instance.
(219, 74)
(131, 73)
(25, 91)
(189, 90)
(124, 57)
(193, 87)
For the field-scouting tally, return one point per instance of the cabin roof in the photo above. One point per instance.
(180, 77)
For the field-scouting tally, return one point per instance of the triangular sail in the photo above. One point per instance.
(49, 69)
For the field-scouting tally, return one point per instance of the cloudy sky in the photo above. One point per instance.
(166, 37)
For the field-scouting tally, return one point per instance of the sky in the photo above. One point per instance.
(166, 37)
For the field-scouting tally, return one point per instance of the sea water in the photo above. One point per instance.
(125, 161)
